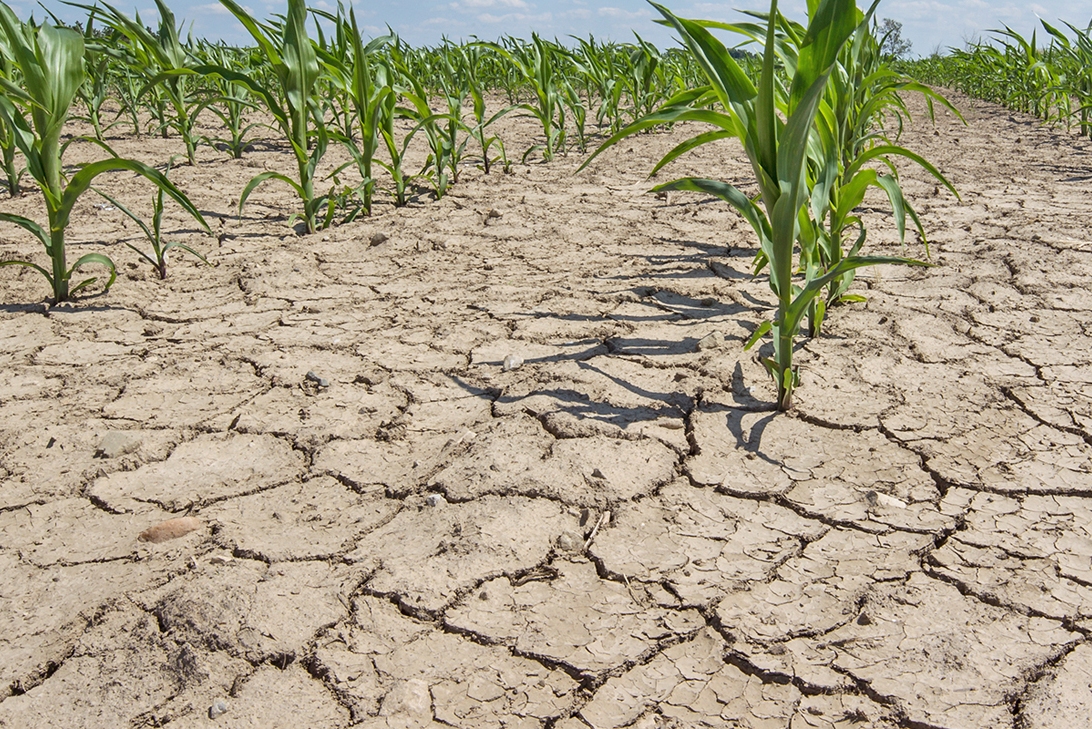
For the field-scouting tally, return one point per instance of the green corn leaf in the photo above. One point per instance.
(762, 330)
(890, 185)
(27, 224)
(82, 180)
(852, 193)
(723, 72)
(726, 192)
(884, 150)
(28, 264)
(264, 176)
(187, 249)
(98, 259)
(692, 143)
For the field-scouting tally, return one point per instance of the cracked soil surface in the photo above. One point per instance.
(396, 530)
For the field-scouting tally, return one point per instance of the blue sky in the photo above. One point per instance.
(929, 24)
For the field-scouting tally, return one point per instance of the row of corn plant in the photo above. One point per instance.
(146, 71)
(50, 61)
(1052, 81)
(810, 124)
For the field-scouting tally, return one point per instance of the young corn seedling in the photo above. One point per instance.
(595, 65)
(230, 105)
(159, 57)
(775, 129)
(8, 146)
(644, 77)
(443, 154)
(368, 84)
(51, 63)
(295, 109)
(537, 65)
(863, 98)
(158, 257)
(471, 58)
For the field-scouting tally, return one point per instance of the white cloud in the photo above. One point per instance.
(210, 9)
(517, 18)
(478, 4)
(620, 14)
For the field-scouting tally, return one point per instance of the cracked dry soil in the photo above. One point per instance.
(911, 548)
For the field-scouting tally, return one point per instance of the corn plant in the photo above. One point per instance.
(538, 65)
(595, 65)
(292, 103)
(471, 59)
(1074, 61)
(450, 131)
(158, 57)
(367, 81)
(863, 103)
(8, 146)
(1036, 88)
(127, 86)
(776, 125)
(439, 128)
(51, 62)
(154, 234)
(643, 78)
(229, 103)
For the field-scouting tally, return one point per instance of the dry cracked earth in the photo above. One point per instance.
(397, 529)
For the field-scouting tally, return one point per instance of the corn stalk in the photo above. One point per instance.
(293, 102)
(776, 130)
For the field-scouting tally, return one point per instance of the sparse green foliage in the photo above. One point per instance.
(51, 63)
(154, 234)
(1053, 82)
(807, 137)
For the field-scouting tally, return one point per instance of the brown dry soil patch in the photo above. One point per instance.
(618, 532)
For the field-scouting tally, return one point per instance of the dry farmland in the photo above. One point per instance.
(430, 419)
(395, 529)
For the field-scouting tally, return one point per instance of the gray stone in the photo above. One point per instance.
(569, 542)
(118, 443)
(713, 340)
(217, 710)
(320, 381)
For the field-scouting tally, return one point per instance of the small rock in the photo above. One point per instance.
(170, 529)
(118, 443)
(596, 473)
(569, 542)
(217, 710)
(713, 340)
(320, 381)
(410, 698)
(435, 500)
(493, 214)
(512, 362)
(379, 239)
(221, 559)
(372, 377)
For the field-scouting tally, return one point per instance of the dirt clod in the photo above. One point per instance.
(170, 529)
